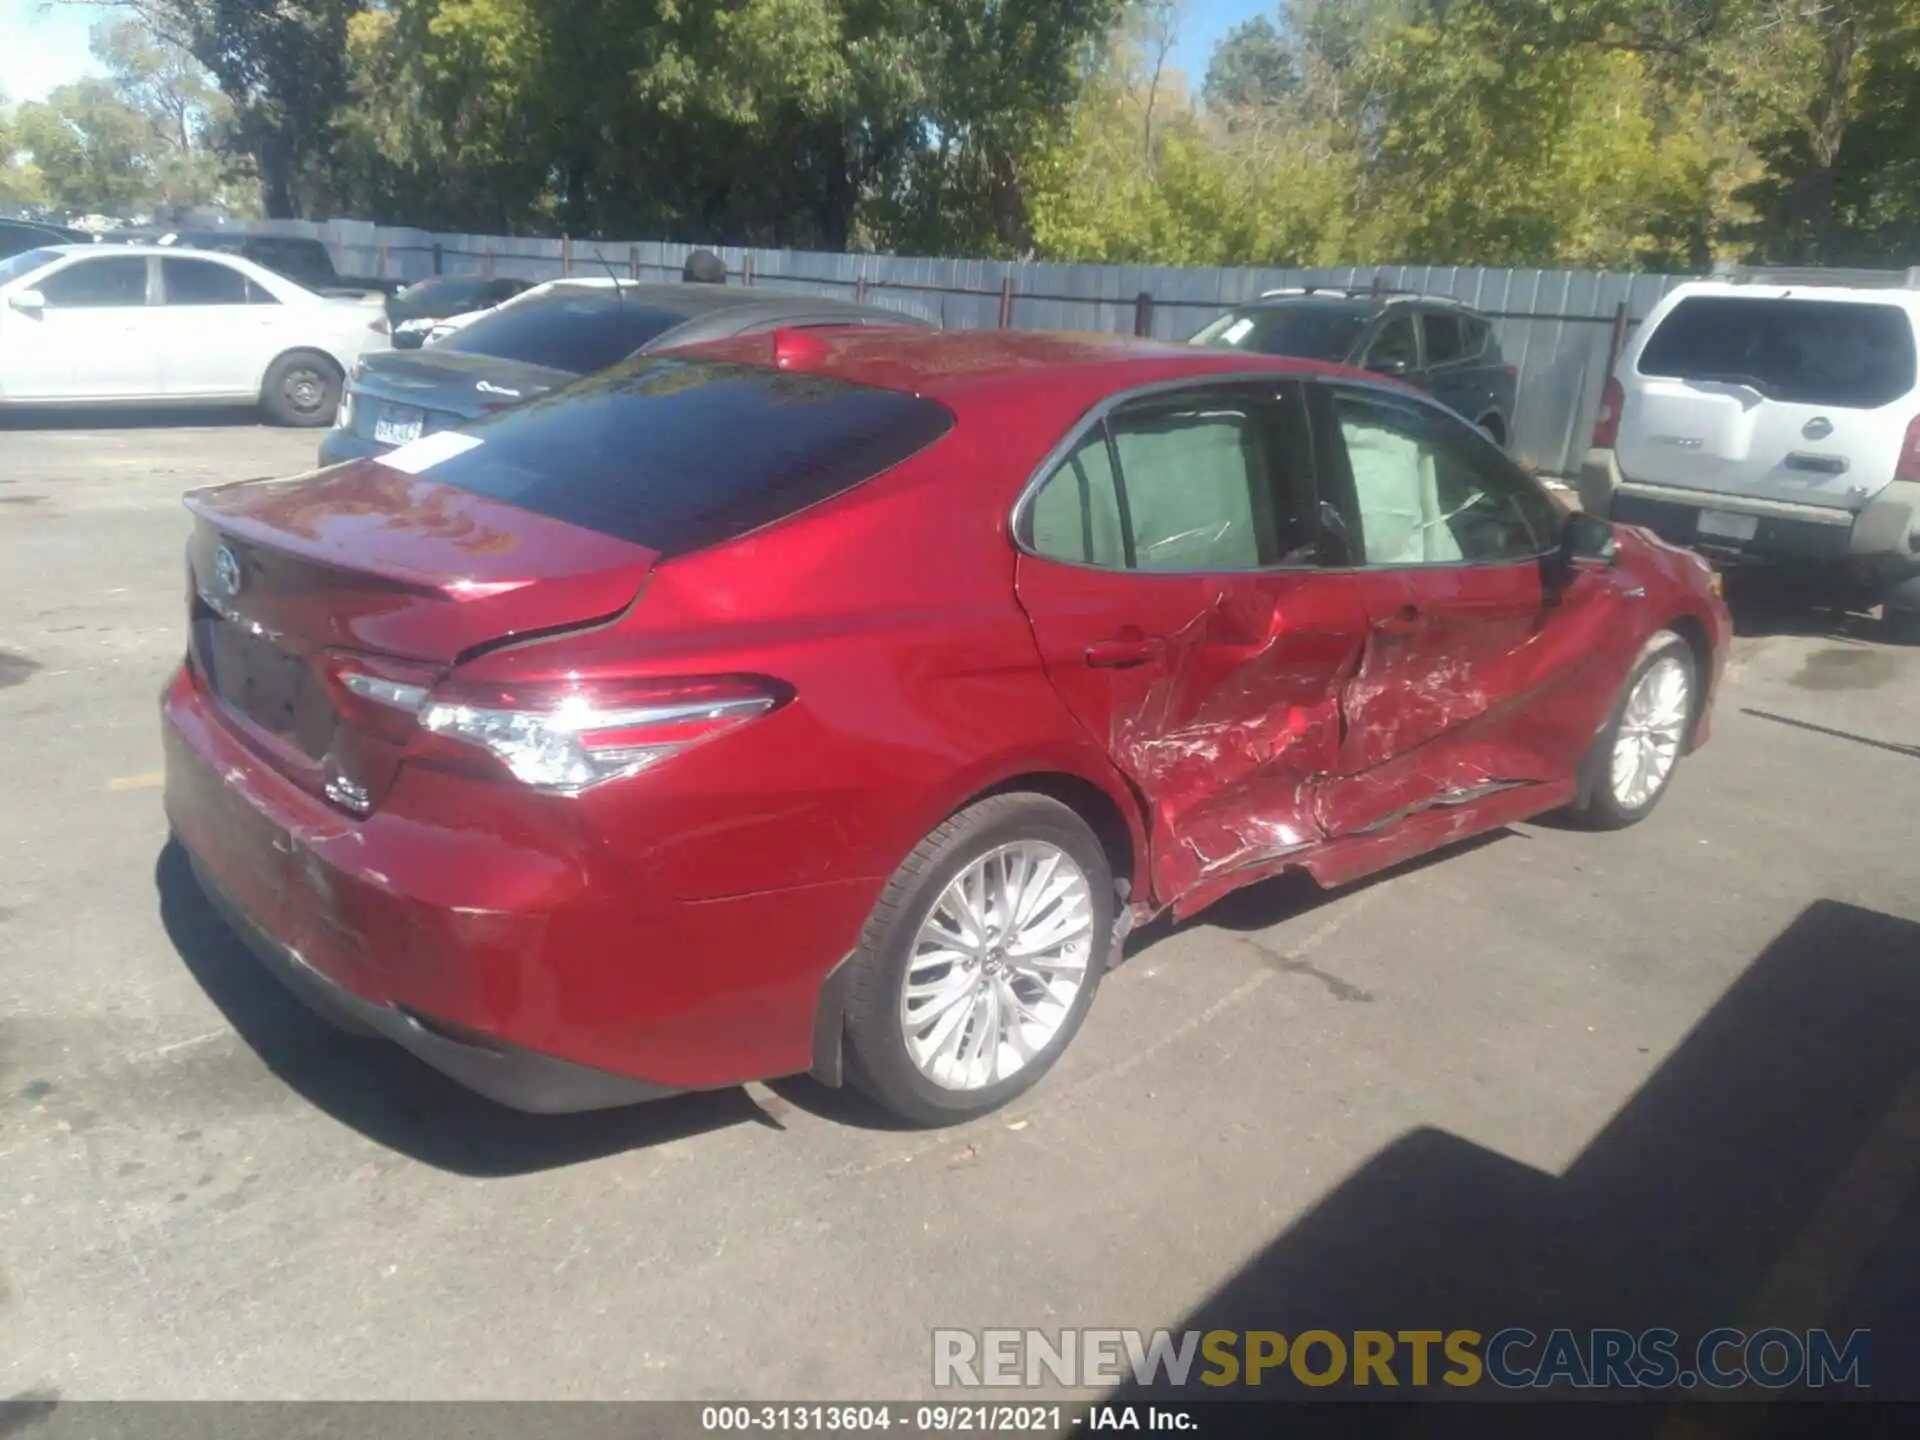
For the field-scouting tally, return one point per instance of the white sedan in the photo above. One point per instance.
(138, 324)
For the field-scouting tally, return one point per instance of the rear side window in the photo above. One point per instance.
(677, 454)
(202, 282)
(1809, 352)
(579, 332)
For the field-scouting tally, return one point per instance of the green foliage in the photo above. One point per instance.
(1252, 66)
(1612, 133)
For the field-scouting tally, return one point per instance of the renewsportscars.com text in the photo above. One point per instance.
(1510, 1359)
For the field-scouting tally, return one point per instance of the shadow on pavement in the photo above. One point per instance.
(127, 417)
(1757, 1178)
(1260, 905)
(1788, 601)
(382, 1091)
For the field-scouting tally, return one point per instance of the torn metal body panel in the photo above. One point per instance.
(1217, 696)
(1341, 721)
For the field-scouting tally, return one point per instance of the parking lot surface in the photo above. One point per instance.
(1670, 1074)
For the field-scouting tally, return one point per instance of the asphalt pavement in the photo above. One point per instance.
(1673, 1071)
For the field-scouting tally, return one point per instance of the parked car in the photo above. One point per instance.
(1773, 422)
(87, 324)
(545, 338)
(294, 256)
(416, 310)
(19, 235)
(839, 703)
(1429, 341)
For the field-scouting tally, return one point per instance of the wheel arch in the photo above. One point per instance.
(1690, 629)
(1114, 818)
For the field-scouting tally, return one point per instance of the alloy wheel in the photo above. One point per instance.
(1652, 726)
(997, 965)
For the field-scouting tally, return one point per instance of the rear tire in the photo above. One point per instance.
(939, 1033)
(1634, 756)
(302, 389)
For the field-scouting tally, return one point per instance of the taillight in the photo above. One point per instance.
(1606, 425)
(1909, 466)
(792, 347)
(570, 736)
(380, 326)
(381, 697)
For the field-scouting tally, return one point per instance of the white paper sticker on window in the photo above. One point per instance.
(423, 454)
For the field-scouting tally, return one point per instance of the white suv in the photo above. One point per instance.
(1770, 421)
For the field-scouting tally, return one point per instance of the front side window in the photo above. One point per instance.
(98, 284)
(1445, 342)
(1852, 354)
(25, 263)
(203, 282)
(1425, 492)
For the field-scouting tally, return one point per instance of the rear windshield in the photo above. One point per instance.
(1808, 352)
(439, 297)
(1310, 331)
(679, 454)
(578, 331)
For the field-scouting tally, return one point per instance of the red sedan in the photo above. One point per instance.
(837, 701)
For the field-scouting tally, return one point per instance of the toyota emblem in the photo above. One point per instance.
(1817, 428)
(226, 571)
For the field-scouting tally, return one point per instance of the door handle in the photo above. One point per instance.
(1124, 650)
(1403, 621)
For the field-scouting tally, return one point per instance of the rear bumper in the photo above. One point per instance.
(518, 1078)
(1884, 535)
(502, 945)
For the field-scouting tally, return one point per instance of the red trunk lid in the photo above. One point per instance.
(368, 567)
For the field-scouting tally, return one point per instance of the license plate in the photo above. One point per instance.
(398, 427)
(1724, 525)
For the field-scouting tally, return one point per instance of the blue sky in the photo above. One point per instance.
(43, 45)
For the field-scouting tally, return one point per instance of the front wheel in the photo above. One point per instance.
(1634, 756)
(302, 389)
(980, 960)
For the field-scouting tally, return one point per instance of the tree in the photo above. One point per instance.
(183, 110)
(92, 150)
(1253, 66)
(283, 69)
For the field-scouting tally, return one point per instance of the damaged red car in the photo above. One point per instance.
(836, 701)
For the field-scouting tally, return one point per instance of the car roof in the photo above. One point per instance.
(137, 249)
(969, 367)
(1342, 297)
(1907, 299)
(694, 301)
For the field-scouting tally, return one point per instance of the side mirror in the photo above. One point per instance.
(1392, 366)
(1587, 538)
(28, 302)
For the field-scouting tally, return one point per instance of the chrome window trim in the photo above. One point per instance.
(1097, 415)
